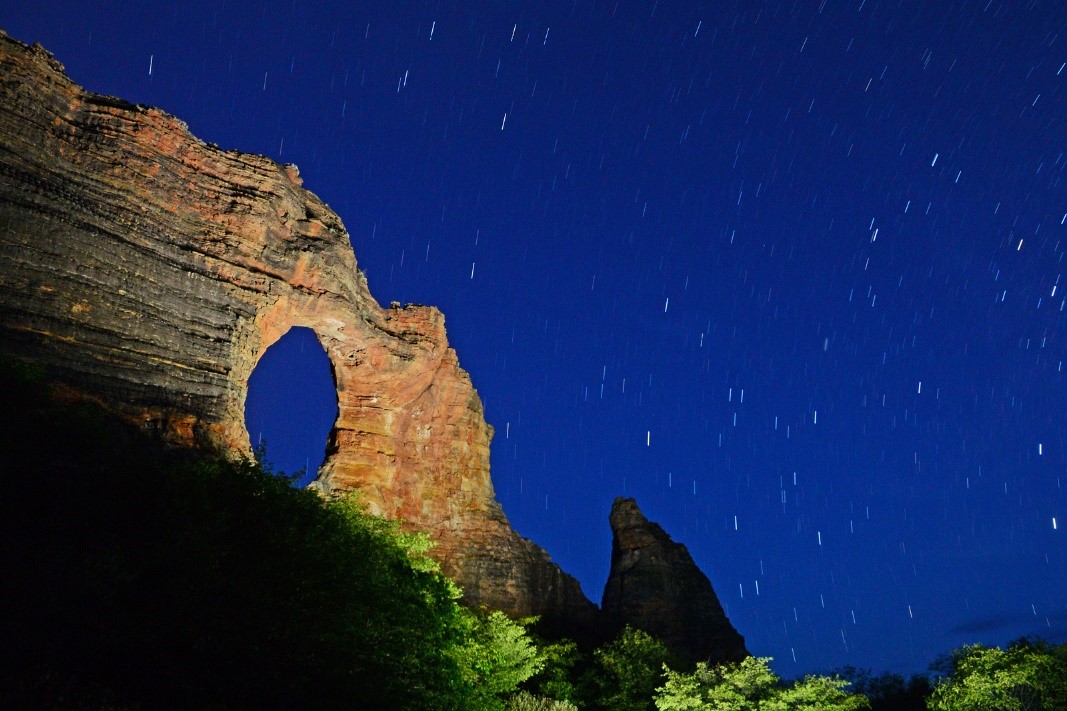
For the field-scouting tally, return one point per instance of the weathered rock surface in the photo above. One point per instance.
(654, 585)
(150, 271)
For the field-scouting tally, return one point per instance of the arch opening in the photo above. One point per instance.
(291, 405)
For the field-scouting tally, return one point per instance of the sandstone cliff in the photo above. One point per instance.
(150, 271)
(654, 585)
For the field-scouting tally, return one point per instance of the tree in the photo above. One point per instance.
(731, 687)
(496, 657)
(819, 693)
(557, 679)
(750, 685)
(1028, 675)
(627, 670)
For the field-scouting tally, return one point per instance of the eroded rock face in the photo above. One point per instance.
(150, 271)
(654, 585)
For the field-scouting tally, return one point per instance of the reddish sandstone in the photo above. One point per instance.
(150, 271)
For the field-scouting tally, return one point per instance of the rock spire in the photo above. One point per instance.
(654, 585)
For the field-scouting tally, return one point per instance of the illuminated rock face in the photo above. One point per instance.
(654, 585)
(150, 271)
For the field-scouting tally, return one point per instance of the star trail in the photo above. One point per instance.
(789, 273)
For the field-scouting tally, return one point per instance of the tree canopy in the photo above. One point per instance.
(750, 685)
(626, 671)
(1026, 676)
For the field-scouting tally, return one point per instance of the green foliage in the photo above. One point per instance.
(626, 671)
(525, 701)
(750, 685)
(819, 693)
(496, 656)
(1028, 675)
(558, 679)
(730, 687)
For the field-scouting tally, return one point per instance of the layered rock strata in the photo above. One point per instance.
(654, 585)
(150, 271)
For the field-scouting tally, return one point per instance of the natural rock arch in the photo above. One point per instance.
(150, 271)
(291, 404)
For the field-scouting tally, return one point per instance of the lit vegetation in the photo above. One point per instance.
(627, 670)
(750, 685)
(1027, 676)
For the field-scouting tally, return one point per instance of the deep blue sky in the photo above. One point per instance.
(788, 273)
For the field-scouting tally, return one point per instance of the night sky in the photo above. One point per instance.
(790, 274)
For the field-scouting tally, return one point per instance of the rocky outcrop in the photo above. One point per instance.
(654, 585)
(150, 271)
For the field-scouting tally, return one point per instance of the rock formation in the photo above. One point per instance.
(150, 271)
(654, 585)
